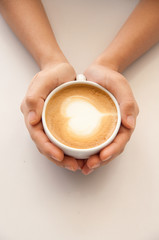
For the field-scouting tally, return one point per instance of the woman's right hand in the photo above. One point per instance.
(32, 105)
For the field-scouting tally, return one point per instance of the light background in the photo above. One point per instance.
(39, 200)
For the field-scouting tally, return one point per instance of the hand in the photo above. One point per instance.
(119, 87)
(41, 85)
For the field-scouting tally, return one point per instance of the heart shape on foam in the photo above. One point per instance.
(84, 118)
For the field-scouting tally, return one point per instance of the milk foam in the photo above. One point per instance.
(84, 118)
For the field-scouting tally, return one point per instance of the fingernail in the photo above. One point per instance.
(96, 165)
(131, 121)
(106, 159)
(57, 159)
(70, 168)
(31, 116)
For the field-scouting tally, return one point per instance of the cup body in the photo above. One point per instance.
(74, 152)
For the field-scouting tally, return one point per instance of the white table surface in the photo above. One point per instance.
(39, 200)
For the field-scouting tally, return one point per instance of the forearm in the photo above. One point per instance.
(29, 22)
(138, 34)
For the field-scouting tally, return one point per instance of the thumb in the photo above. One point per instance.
(128, 114)
(35, 107)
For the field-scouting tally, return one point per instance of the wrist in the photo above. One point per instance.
(108, 61)
(51, 59)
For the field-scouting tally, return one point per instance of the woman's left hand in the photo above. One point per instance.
(116, 83)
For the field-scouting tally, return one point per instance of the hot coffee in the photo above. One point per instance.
(81, 116)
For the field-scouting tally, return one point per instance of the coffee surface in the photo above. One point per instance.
(81, 116)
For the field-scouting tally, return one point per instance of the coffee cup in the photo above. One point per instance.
(81, 117)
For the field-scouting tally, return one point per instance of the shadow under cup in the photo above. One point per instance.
(80, 153)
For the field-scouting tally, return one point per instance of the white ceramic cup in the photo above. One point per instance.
(75, 152)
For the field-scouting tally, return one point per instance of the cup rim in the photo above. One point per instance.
(84, 150)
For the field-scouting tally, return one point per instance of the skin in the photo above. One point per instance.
(138, 34)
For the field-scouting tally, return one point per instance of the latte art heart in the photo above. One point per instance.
(81, 116)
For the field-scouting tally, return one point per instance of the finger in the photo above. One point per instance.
(50, 150)
(80, 163)
(33, 102)
(93, 162)
(70, 163)
(43, 144)
(32, 107)
(86, 170)
(107, 162)
(117, 146)
(129, 112)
